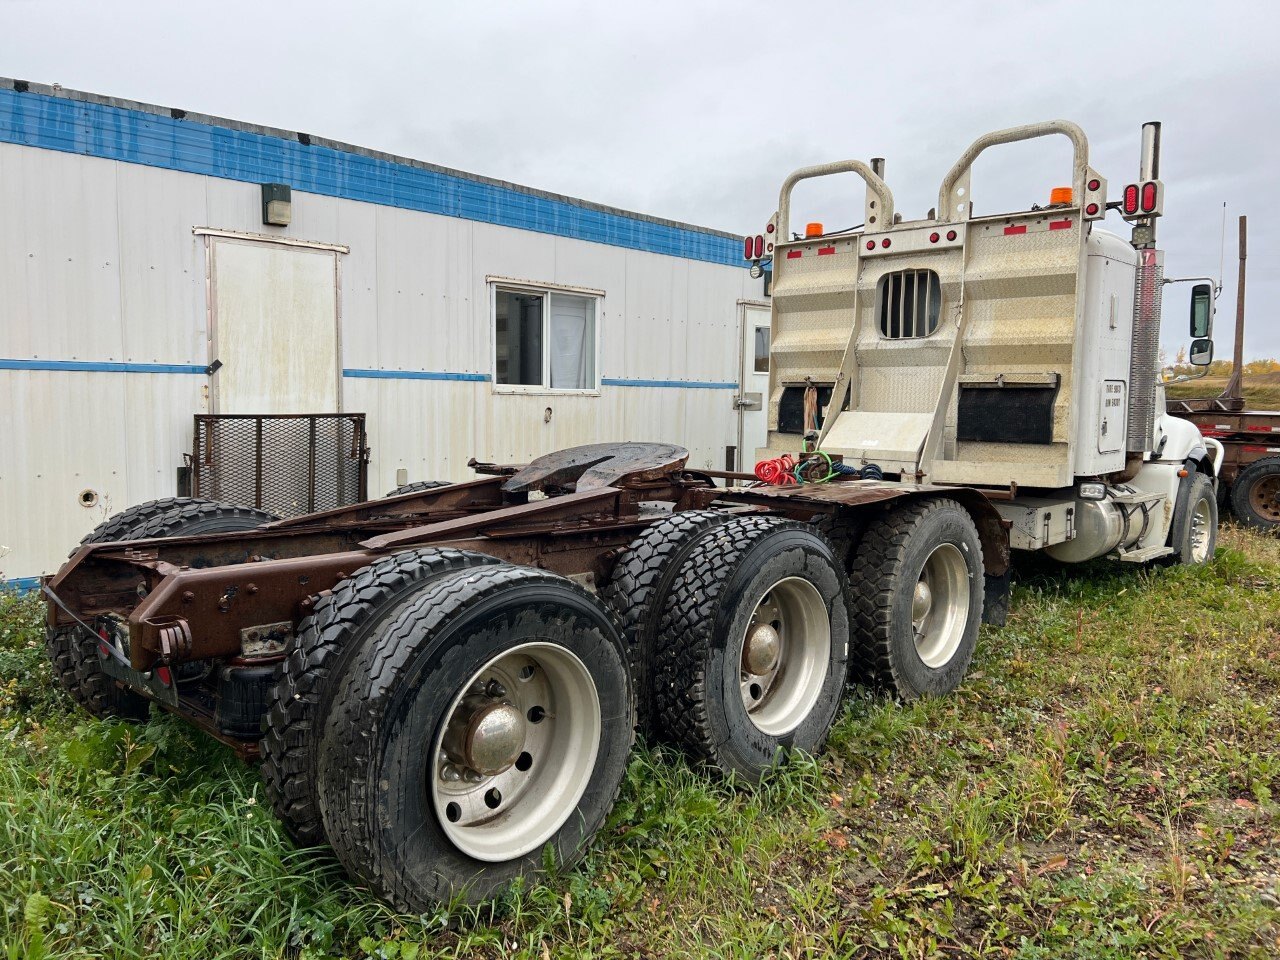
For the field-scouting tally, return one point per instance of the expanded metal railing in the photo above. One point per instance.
(288, 464)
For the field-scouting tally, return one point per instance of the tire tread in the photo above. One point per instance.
(639, 588)
(686, 634)
(348, 800)
(300, 698)
(875, 570)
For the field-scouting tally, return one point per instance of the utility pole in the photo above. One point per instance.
(1235, 385)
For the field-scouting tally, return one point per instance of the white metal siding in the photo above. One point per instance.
(98, 263)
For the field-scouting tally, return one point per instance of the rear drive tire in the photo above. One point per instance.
(1194, 532)
(418, 486)
(126, 524)
(74, 653)
(317, 656)
(639, 590)
(1255, 495)
(753, 648)
(483, 732)
(192, 517)
(918, 588)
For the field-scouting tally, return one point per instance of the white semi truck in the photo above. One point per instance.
(1012, 353)
(444, 685)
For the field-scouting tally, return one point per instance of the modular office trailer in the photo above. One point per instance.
(143, 283)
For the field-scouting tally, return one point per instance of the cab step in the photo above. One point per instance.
(1143, 554)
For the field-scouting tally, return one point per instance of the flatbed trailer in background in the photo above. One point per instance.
(1249, 479)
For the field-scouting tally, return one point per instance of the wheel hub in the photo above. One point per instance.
(784, 656)
(495, 737)
(921, 601)
(940, 604)
(486, 735)
(760, 652)
(1264, 497)
(516, 751)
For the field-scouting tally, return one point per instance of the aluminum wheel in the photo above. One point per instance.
(940, 605)
(1264, 497)
(784, 657)
(516, 752)
(1201, 530)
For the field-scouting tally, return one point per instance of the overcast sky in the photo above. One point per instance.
(698, 110)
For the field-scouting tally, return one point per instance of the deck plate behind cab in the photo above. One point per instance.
(596, 465)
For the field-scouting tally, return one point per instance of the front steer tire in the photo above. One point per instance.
(1194, 531)
(74, 653)
(728, 713)
(317, 656)
(382, 767)
(897, 553)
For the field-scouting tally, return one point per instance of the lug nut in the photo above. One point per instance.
(495, 689)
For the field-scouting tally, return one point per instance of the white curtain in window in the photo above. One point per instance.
(573, 347)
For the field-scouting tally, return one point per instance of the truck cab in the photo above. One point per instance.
(1016, 353)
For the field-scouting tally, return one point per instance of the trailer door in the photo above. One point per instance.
(753, 383)
(274, 328)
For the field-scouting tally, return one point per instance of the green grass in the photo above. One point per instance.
(1105, 784)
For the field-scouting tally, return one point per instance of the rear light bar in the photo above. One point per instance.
(1142, 200)
(760, 246)
(1094, 202)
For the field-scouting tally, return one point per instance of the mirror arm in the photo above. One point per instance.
(1217, 287)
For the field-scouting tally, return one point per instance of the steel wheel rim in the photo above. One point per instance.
(940, 605)
(503, 814)
(1264, 498)
(1201, 530)
(789, 621)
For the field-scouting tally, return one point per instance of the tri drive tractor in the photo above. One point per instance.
(444, 685)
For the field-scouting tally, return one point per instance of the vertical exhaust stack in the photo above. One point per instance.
(1145, 353)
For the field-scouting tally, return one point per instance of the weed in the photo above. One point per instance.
(1103, 785)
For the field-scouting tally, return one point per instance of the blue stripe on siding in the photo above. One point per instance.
(94, 366)
(686, 384)
(21, 584)
(132, 136)
(413, 375)
(91, 366)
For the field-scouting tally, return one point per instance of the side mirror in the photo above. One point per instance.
(1201, 352)
(1201, 312)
